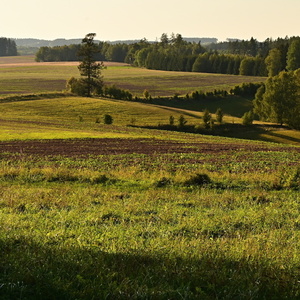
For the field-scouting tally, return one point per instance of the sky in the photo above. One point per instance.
(136, 19)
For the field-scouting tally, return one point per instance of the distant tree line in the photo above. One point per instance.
(8, 47)
(173, 53)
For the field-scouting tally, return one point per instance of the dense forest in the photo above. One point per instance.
(243, 57)
(7, 47)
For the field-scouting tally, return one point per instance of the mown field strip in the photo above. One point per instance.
(23, 75)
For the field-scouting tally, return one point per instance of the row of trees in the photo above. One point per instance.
(8, 47)
(104, 52)
(175, 54)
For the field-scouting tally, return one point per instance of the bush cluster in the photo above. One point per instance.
(117, 93)
(80, 87)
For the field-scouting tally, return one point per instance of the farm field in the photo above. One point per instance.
(113, 211)
(19, 75)
(121, 211)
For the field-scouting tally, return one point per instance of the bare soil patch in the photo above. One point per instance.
(114, 146)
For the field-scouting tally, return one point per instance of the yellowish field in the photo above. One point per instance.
(19, 75)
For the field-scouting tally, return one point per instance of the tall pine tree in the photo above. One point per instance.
(89, 68)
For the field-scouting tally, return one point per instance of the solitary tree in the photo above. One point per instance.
(206, 118)
(181, 121)
(89, 69)
(219, 115)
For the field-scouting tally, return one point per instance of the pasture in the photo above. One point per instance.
(95, 211)
(19, 75)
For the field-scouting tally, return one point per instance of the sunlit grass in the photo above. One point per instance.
(38, 78)
(84, 229)
(176, 225)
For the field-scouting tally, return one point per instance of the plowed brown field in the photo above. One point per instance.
(113, 146)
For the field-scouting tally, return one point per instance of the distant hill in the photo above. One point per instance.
(37, 43)
(45, 43)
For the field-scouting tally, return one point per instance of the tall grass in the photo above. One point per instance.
(86, 232)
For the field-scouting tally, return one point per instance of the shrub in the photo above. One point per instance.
(246, 89)
(76, 86)
(146, 94)
(181, 121)
(219, 115)
(206, 118)
(171, 120)
(108, 119)
(80, 86)
(248, 118)
(117, 93)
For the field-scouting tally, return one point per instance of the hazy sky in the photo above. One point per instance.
(136, 19)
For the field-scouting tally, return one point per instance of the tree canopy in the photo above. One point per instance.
(8, 47)
(175, 53)
(279, 100)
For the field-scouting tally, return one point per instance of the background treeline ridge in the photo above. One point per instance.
(237, 57)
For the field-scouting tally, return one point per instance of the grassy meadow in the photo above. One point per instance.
(19, 75)
(121, 211)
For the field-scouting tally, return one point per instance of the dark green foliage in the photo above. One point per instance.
(89, 69)
(206, 118)
(91, 82)
(171, 120)
(273, 62)
(117, 52)
(219, 115)
(279, 101)
(293, 55)
(80, 86)
(181, 121)
(108, 119)
(117, 93)
(216, 94)
(8, 47)
(248, 118)
(76, 86)
(246, 89)
(58, 53)
(176, 54)
(146, 94)
(253, 66)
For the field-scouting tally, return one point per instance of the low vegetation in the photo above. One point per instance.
(21, 75)
(146, 218)
(98, 202)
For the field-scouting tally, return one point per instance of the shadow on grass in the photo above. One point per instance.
(252, 132)
(29, 270)
(232, 105)
(282, 136)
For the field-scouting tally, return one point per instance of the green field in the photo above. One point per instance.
(21, 75)
(121, 211)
